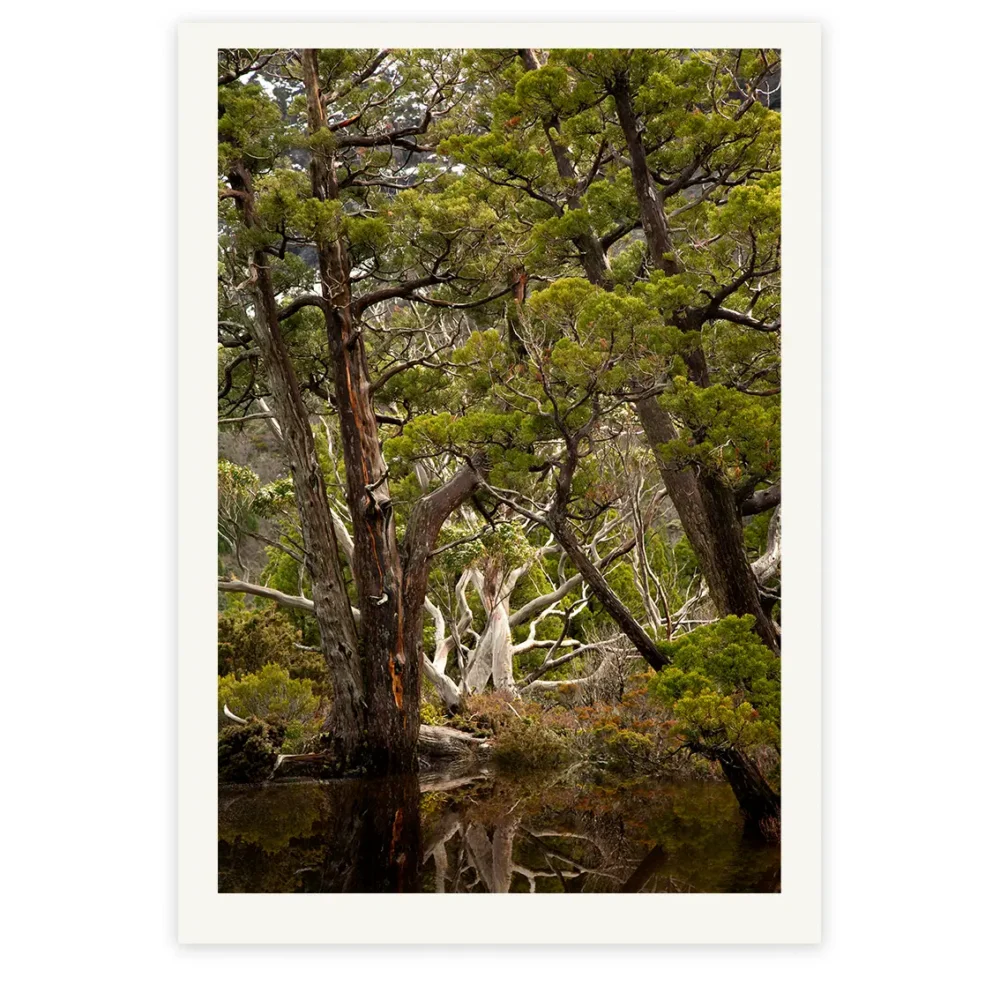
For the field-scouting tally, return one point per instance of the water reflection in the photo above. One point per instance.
(489, 834)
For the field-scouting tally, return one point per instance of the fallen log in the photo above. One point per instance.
(437, 747)
(437, 742)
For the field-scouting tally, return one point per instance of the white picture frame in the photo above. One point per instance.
(791, 916)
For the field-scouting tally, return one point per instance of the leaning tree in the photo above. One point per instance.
(684, 149)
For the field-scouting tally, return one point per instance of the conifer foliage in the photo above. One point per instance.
(511, 320)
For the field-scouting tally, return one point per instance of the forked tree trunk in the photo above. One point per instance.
(494, 654)
(374, 667)
(390, 672)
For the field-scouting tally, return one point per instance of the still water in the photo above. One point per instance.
(489, 833)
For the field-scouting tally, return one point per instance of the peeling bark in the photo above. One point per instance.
(331, 604)
(375, 665)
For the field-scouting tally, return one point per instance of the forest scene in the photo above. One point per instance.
(499, 470)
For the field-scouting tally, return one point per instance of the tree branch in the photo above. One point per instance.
(762, 500)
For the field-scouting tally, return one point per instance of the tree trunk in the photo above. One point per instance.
(651, 214)
(602, 590)
(592, 255)
(374, 666)
(332, 607)
(759, 803)
(390, 673)
(441, 743)
(494, 655)
(437, 746)
(706, 506)
(707, 510)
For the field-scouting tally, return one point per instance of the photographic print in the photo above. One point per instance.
(499, 603)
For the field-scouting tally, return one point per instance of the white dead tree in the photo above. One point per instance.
(489, 655)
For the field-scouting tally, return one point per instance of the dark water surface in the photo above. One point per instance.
(489, 834)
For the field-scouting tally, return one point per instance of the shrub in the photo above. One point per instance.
(487, 713)
(527, 745)
(723, 687)
(298, 737)
(248, 753)
(270, 694)
(248, 638)
(716, 721)
(623, 749)
(727, 657)
(431, 715)
(635, 711)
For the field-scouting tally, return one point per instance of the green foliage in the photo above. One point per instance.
(269, 694)
(755, 533)
(502, 545)
(735, 435)
(722, 685)
(530, 169)
(623, 749)
(525, 745)
(715, 722)
(431, 715)
(250, 127)
(243, 501)
(248, 638)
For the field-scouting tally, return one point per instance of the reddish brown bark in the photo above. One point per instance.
(374, 668)
(391, 677)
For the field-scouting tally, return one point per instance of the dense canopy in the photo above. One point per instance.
(499, 390)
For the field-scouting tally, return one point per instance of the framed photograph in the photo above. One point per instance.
(499, 485)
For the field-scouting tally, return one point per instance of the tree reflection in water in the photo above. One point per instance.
(489, 834)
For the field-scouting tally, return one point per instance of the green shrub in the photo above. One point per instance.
(727, 657)
(524, 745)
(431, 715)
(298, 737)
(716, 721)
(623, 749)
(723, 687)
(248, 638)
(269, 694)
